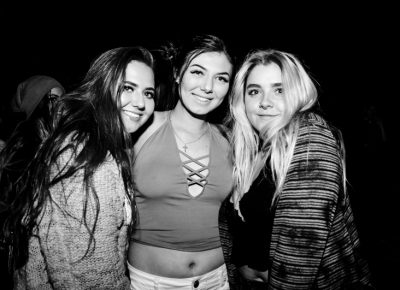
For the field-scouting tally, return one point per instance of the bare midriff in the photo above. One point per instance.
(172, 263)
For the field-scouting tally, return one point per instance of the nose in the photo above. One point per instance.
(138, 100)
(265, 102)
(207, 85)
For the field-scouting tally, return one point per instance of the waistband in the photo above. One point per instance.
(215, 279)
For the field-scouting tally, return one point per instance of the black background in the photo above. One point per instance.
(349, 51)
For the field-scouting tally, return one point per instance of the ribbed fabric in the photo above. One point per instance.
(61, 239)
(314, 241)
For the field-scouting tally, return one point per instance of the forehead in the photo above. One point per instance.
(215, 61)
(57, 91)
(265, 74)
(137, 71)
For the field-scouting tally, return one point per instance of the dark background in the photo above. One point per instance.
(349, 51)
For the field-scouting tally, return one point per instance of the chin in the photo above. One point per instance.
(130, 128)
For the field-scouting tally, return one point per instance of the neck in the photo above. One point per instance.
(187, 121)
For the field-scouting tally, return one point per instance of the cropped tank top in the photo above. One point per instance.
(168, 215)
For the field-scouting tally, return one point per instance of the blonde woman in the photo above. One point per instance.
(290, 221)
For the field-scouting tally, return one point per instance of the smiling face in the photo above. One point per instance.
(137, 97)
(263, 96)
(205, 82)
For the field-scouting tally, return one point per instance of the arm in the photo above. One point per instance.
(33, 275)
(227, 216)
(64, 236)
(305, 210)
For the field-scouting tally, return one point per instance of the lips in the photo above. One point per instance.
(268, 115)
(132, 115)
(202, 99)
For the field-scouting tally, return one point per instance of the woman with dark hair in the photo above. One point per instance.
(30, 123)
(33, 102)
(71, 210)
(289, 223)
(183, 172)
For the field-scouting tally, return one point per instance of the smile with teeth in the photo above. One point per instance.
(132, 115)
(202, 99)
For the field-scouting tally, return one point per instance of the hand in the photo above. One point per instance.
(253, 275)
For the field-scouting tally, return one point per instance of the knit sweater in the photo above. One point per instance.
(314, 241)
(61, 238)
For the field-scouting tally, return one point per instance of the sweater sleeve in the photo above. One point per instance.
(72, 262)
(62, 233)
(305, 209)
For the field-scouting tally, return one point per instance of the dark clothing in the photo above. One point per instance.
(314, 241)
(251, 246)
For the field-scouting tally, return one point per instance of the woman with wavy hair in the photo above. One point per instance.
(183, 172)
(288, 224)
(70, 212)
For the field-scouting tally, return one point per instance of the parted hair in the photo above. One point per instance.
(277, 139)
(89, 119)
(178, 56)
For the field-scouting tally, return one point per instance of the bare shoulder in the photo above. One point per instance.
(157, 120)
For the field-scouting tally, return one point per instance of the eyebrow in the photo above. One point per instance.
(202, 67)
(135, 85)
(274, 85)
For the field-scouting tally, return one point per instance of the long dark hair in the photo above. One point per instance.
(179, 54)
(88, 127)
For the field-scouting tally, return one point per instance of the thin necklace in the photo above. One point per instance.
(185, 147)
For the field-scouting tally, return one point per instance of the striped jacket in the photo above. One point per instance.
(314, 241)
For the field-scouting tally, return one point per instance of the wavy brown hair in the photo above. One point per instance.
(89, 117)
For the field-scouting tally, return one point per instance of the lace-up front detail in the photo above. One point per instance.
(196, 171)
(178, 193)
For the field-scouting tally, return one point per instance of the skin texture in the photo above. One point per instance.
(202, 88)
(205, 83)
(263, 95)
(137, 98)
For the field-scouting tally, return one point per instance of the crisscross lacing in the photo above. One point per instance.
(195, 177)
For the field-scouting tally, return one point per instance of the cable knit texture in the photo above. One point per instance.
(61, 239)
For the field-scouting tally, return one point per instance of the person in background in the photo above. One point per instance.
(70, 213)
(35, 93)
(183, 172)
(289, 223)
(33, 103)
(30, 122)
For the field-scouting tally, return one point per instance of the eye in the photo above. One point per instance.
(196, 72)
(223, 79)
(128, 88)
(253, 92)
(279, 91)
(149, 94)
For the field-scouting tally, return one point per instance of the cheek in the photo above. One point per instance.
(150, 104)
(249, 106)
(222, 90)
(187, 83)
(251, 112)
(124, 100)
(279, 106)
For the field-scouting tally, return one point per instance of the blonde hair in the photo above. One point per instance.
(278, 138)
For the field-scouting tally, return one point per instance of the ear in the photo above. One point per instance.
(176, 76)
